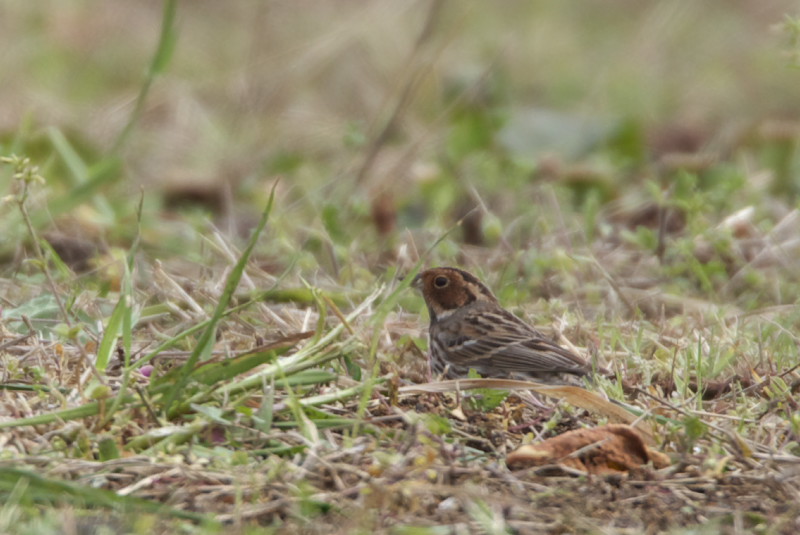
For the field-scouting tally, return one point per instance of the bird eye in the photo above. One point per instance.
(440, 282)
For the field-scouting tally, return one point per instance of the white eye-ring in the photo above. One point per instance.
(441, 282)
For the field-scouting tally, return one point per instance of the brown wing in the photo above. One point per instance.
(500, 340)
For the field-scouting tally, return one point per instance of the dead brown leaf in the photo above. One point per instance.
(609, 449)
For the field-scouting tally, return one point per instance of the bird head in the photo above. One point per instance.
(446, 289)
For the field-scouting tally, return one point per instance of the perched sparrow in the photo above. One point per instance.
(469, 329)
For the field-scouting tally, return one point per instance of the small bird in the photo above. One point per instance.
(470, 329)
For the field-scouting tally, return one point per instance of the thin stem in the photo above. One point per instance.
(160, 59)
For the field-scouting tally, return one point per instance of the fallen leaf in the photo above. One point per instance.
(609, 449)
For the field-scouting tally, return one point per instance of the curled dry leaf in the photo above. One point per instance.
(609, 449)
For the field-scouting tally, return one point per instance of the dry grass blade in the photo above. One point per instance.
(574, 395)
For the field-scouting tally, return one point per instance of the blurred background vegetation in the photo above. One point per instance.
(383, 116)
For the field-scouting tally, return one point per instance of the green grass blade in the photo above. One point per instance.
(215, 372)
(112, 330)
(164, 49)
(127, 315)
(75, 164)
(266, 411)
(41, 490)
(207, 338)
(89, 409)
